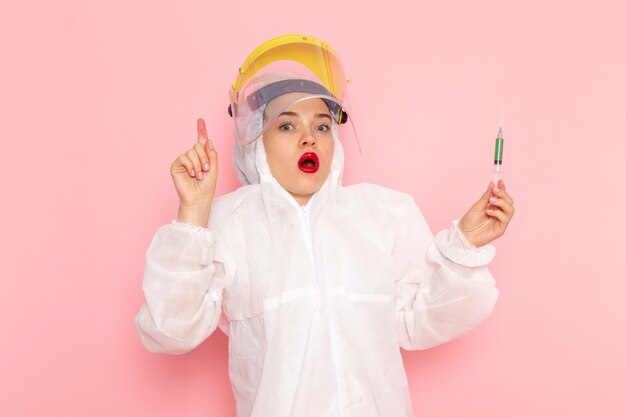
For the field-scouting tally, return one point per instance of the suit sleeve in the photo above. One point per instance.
(443, 288)
(183, 286)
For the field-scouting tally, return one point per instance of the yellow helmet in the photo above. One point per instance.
(290, 63)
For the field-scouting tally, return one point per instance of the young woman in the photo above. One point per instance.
(318, 285)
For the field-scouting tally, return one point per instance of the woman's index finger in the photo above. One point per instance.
(202, 135)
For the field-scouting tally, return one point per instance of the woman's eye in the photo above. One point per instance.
(323, 128)
(285, 127)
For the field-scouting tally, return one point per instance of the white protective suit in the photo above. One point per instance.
(316, 300)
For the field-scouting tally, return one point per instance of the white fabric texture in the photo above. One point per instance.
(322, 338)
(244, 156)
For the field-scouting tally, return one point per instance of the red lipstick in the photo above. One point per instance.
(309, 162)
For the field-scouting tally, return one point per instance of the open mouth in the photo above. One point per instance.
(309, 163)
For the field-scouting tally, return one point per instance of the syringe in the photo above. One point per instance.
(497, 159)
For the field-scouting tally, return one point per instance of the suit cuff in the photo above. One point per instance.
(455, 246)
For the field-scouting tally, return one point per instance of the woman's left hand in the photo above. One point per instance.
(489, 217)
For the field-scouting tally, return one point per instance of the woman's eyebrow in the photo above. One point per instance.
(293, 113)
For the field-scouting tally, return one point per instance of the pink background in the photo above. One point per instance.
(98, 98)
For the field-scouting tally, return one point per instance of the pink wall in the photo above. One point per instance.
(96, 100)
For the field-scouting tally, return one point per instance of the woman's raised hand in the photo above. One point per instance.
(195, 177)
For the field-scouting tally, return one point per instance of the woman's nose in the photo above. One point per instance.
(307, 138)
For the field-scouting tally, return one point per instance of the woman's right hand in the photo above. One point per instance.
(195, 177)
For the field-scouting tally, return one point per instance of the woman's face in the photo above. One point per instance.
(299, 145)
